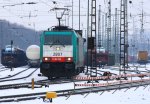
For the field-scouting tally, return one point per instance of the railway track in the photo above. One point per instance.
(135, 70)
(4, 69)
(1, 67)
(69, 92)
(14, 74)
(100, 72)
(40, 82)
(14, 86)
(4, 80)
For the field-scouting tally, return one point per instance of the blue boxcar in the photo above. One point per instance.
(13, 58)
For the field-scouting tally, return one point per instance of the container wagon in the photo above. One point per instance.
(142, 57)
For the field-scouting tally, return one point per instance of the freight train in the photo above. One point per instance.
(61, 52)
(33, 55)
(13, 57)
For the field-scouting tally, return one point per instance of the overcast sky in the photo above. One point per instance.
(39, 17)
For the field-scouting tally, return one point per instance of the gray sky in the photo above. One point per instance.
(41, 18)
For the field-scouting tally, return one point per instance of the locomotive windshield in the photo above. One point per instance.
(58, 40)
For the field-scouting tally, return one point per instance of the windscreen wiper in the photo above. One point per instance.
(57, 41)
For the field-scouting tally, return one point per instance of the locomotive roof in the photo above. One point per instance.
(64, 28)
(58, 28)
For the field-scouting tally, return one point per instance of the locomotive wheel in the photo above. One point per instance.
(50, 78)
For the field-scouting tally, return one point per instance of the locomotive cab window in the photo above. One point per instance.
(58, 40)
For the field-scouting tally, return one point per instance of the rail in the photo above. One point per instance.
(69, 92)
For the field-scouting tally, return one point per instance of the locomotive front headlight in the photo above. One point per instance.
(69, 59)
(58, 48)
(46, 59)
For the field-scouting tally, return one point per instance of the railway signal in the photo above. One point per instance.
(91, 43)
(11, 55)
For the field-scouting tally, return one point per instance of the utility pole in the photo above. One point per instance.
(134, 39)
(79, 14)
(116, 37)
(142, 29)
(126, 32)
(148, 45)
(2, 36)
(92, 40)
(72, 14)
(67, 14)
(11, 69)
(1, 43)
(123, 35)
(109, 28)
(113, 36)
(87, 35)
(99, 29)
(103, 29)
(106, 31)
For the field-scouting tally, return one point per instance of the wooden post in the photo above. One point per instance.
(32, 83)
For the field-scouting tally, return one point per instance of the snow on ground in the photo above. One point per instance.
(43, 89)
(139, 96)
(25, 73)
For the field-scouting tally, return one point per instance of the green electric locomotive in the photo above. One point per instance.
(61, 52)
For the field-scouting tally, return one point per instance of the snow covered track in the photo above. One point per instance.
(21, 85)
(69, 92)
(4, 69)
(20, 77)
(39, 83)
(15, 74)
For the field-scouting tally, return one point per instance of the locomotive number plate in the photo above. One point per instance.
(57, 54)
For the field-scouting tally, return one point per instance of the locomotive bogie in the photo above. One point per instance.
(57, 69)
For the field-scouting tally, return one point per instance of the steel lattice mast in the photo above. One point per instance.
(123, 35)
(109, 28)
(92, 38)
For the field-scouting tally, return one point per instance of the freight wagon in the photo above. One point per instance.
(13, 57)
(102, 58)
(142, 57)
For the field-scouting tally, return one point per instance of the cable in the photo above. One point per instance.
(45, 3)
